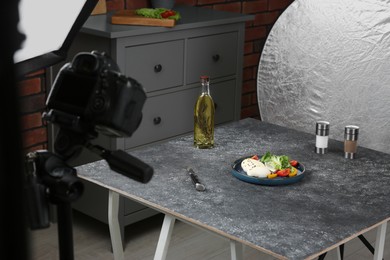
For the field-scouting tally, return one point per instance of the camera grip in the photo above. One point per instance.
(128, 165)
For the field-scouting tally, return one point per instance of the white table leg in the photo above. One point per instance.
(380, 241)
(338, 253)
(236, 251)
(165, 238)
(113, 224)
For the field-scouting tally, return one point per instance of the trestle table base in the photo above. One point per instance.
(236, 248)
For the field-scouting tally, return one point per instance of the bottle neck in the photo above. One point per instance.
(205, 86)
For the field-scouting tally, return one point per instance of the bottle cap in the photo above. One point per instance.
(322, 128)
(204, 79)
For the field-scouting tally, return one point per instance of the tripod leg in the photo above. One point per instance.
(65, 231)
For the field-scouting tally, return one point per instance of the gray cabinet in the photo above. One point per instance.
(168, 63)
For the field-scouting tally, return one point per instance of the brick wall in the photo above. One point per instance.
(33, 94)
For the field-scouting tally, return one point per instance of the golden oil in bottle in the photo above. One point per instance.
(204, 117)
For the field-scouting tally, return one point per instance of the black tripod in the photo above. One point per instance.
(65, 231)
(50, 180)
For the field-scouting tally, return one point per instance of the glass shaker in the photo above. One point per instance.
(322, 137)
(351, 134)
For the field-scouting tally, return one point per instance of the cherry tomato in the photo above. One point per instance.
(165, 14)
(294, 163)
(255, 157)
(168, 13)
(283, 173)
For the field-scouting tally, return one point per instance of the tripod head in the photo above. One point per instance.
(48, 179)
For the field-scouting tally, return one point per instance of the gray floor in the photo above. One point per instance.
(92, 241)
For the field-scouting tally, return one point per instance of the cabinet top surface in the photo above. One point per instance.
(191, 17)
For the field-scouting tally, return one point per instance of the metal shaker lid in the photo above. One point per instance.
(322, 128)
(351, 132)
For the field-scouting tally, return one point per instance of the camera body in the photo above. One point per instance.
(92, 89)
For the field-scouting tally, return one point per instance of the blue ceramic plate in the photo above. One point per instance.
(240, 174)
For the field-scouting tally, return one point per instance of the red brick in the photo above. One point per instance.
(249, 24)
(251, 60)
(246, 100)
(135, 4)
(230, 7)
(278, 4)
(249, 86)
(266, 18)
(115, 5)
(255, 33)
(34, 137)
(29, 86)
(254, 98)
(207, 2)
(185, 2)
(31, 121)
(248, 47)
(250, 7)
(36, 73)
(32, 103)
(247, 74)
(251, 111)
(255, 71)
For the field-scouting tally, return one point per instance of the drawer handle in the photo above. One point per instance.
(157, 120)
(158, 68)
(216, 57)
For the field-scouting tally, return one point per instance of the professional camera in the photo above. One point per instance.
(91, 96)
(92, 89)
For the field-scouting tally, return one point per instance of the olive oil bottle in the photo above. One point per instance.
(204, 117)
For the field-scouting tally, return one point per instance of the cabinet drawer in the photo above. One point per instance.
(169, 115)
(156, 66)
(214, 55)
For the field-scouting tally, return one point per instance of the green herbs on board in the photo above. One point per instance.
(158, 13)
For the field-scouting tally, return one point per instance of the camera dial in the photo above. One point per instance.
(99, 104)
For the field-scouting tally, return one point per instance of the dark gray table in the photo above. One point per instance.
(337, 200)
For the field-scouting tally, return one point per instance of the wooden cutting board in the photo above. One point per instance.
(129, 17)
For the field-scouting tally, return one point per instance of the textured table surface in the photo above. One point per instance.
(337, 200)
